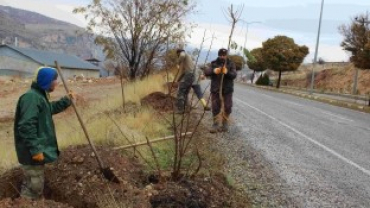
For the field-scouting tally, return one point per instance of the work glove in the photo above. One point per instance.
(39, 157)
(217, 70)
(72, 95)
(224, 70)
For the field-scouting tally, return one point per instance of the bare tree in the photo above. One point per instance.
(137, 31)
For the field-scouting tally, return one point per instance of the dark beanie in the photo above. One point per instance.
(222, 52)
(45, 76)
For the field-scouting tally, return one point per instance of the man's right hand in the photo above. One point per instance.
(217, 70)
(39, 157)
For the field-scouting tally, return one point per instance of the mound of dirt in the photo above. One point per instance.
(159, 101)
(75, 180)
(200, 192)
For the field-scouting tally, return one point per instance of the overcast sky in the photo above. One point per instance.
(296, 19)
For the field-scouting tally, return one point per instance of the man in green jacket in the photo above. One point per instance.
(34, 131)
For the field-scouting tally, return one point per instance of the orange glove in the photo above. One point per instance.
(224, 70)
(39, 157)
(72, 95)
(217, 70)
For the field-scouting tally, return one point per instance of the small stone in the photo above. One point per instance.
(94, 178)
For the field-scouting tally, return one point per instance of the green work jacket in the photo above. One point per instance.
(34, 130)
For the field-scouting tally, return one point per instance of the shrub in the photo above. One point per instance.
(263, 80)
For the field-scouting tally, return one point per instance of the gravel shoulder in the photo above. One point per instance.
(250, 171)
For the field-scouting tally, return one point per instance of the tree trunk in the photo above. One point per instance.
(123, 92)
(278, 83)
(254, 74)
(355, 79)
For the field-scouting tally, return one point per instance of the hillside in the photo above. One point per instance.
(41, 32)
(330, 77)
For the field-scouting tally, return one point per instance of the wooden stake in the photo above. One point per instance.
(151, 141)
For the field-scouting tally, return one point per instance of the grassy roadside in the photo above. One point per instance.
(109, 124)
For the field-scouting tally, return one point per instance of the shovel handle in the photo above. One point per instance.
(79, 117)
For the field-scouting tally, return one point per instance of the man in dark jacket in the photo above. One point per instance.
(221, 67)
(34, 132)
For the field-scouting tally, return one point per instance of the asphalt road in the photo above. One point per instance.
(321, 151)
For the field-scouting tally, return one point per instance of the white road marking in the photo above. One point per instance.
(344, 159)
(335, 115)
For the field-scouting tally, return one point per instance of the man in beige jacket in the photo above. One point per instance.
(187, 78)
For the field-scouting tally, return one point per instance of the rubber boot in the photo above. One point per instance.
(215, 126)
(225, 123)
(205, 106)
(180, 106)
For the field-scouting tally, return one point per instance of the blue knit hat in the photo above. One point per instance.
(45, 76)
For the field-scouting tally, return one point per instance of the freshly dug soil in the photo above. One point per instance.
(159, 101)
(75, 180)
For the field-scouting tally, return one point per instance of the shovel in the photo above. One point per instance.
(107, 172)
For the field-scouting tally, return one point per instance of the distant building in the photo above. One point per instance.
(24, 61)
(98, 63)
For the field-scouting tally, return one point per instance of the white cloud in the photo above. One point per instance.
(256, 35)
(221, 36)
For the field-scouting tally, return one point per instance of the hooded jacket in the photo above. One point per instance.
(34, 130)
(228, 83)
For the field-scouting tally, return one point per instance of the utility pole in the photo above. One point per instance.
(246, 32)
(246, 36)
(317, 47)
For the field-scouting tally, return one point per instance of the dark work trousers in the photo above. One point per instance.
(197, 90)
(183, 91)
(216, 103)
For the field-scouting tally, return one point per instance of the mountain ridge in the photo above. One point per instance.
(29, 29)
